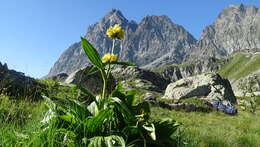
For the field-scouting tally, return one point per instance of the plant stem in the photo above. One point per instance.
(113, 47)
(103, 74)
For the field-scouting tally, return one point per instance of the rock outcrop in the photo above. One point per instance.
(248, 86)
(152, 38)
(208, 86)
(90, 81)
(59, 77)
(137, 78)
(17, 85)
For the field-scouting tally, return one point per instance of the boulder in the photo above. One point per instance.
(209, 86)
(17, 85)
(137, 78)
(61, 77)
(91, 81)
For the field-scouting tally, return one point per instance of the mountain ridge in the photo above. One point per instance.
(144, 42)
(157, 41)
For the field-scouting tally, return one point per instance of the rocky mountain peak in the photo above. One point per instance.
(145, 42)
(235, 29)
(114, 16)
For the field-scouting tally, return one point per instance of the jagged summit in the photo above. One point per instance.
(156, 40)
(152, 38)
(114, 16)
(236, 28)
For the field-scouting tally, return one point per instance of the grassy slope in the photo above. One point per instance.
(216, 129)
(240, 66)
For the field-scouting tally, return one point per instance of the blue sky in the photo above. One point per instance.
(34, 33)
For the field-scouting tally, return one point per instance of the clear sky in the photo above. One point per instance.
(34, 33)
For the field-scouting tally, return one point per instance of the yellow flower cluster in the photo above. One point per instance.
(109, 58)
(116, 32)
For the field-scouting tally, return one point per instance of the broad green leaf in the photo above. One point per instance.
(92, 53)
(131, 97)
(107, 141)
(165, 128)
(123, 109)
(149, 127)
(93, 108)
(68, 118)
(95, 124)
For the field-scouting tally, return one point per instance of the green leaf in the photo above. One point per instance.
(149, 127)
(92, 69)
(124, 63)
(93, 108)
(68, 118)
(123, 109)
(131, 97)
(86, 92)
(165, 128)
(92, 53)
(95, 124)
(108, 141)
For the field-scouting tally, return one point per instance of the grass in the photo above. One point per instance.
(18, 119)
(241, 65)
(215, 129)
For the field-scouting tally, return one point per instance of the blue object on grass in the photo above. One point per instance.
(231, 110)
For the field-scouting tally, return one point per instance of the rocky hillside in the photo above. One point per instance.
(176, 72)
(154, 37)
(17, 85)
(243, 71)
(236, 28)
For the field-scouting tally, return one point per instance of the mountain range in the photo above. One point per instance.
(157, 41)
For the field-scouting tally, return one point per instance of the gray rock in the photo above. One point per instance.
(209, 86)
(140, 78)
(90, 81)
(59, 77)
(248, 86)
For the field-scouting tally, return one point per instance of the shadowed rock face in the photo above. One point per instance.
(17, 85)
(152, 38)
(136, 78)
(92, 82)
(236, 28)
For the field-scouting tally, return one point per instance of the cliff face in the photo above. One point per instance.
(152, 38)
(236, 28)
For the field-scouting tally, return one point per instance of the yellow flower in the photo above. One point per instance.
(115, 32)
(109, 58)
